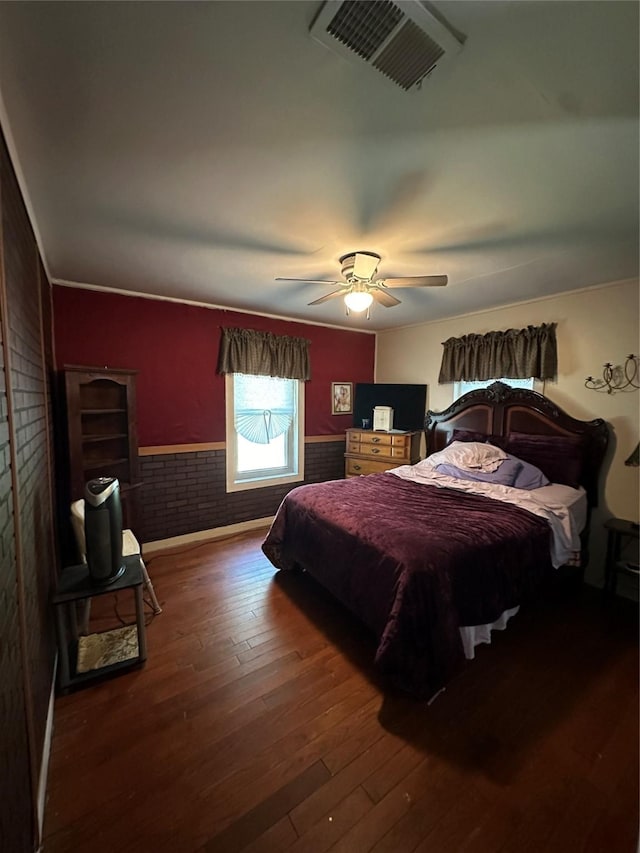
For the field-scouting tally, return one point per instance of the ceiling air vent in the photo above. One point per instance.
(403, 40)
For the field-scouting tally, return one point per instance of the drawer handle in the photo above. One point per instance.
(376, 450)
(375, 440)
(356, 468)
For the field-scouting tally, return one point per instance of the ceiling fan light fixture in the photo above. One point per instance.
(360, 289)
(358, 300)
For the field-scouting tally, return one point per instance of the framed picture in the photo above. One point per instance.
(342, 398)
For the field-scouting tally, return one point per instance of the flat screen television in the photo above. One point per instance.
(409, 403)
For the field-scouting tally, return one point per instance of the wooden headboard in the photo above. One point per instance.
(499, 410)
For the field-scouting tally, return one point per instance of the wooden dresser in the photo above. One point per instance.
(369, 452)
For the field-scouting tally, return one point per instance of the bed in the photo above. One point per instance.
(431, 562)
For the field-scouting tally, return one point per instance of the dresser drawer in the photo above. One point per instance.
(357, 466)
(380, 439)
(383, 451)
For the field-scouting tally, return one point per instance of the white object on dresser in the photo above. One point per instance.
(383, 418)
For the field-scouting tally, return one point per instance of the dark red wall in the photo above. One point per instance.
(175, 349)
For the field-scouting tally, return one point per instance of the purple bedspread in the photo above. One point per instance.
(414, 562)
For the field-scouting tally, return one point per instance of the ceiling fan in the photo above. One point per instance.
(359, 288)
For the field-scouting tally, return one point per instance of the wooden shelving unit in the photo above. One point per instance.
(102, 430)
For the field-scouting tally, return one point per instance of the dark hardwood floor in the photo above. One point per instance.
(257, 724)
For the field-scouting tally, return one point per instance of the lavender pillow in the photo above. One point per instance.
(505, 475)
(529, 477)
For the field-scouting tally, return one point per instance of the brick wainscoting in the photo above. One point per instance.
(185, 492)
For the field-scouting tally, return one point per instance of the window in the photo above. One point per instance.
(460, 388)
(265, 431)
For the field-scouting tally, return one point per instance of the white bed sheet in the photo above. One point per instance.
(473, 635)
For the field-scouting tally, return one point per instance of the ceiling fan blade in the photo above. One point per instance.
(364, 266)
(327, 296)
(383, 297)
(415, 281)
(312, 280)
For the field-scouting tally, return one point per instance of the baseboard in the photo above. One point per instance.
(205, 535)
(46, 754)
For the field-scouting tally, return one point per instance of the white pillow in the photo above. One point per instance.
(471, 455)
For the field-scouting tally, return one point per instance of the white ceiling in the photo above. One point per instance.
(199, 150)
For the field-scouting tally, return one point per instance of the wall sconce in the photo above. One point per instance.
(633, 461)
(616, 378)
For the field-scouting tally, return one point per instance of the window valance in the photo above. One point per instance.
(514, 354)
(263, 354)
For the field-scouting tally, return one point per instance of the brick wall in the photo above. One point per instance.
(22, 283)
(46, 301)
(15, 794)
(27, 650)
(186, 492)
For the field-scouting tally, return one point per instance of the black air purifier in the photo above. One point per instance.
(103, 530)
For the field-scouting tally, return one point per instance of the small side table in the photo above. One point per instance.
(75, 584)
(620, 532)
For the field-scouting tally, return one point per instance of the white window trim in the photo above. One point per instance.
(261, 482)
